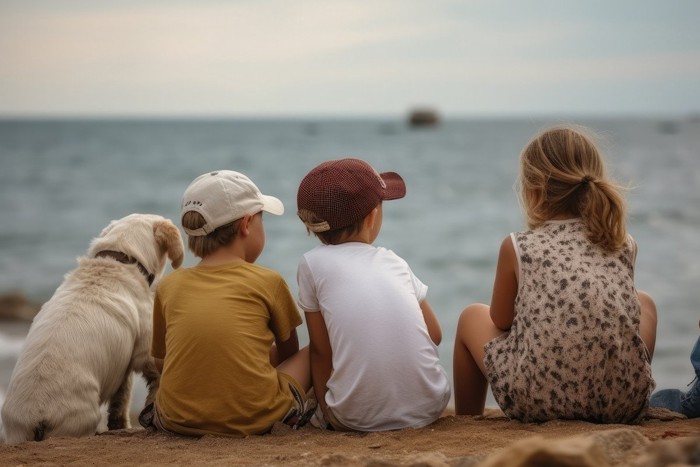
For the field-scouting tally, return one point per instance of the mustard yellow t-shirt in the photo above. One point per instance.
(214, 327)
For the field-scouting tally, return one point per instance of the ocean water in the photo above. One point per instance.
(61, 182)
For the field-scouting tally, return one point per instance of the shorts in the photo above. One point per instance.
(334, 423)
(328, 420)
(298, 415)
(302, 409)
(149, 419)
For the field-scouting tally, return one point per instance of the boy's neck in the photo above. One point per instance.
(367, 234)
(363, 236)
(223, 255)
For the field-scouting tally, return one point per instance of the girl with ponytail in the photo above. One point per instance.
(567, 335)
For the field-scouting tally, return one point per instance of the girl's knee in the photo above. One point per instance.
(473, 312)
(474, 323)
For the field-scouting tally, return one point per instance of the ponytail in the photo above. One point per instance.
(562, 173)
(603, 212)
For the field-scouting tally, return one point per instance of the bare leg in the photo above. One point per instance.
(647, 321)
(118, 411)
(474, 330)
(298, 367)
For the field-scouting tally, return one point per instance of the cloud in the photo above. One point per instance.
(272, 56)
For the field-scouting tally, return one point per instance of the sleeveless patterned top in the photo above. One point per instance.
(574, 349)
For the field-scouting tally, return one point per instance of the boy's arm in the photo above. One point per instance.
(158, 335)
(321, 356)
(286, 349)
(432, 322)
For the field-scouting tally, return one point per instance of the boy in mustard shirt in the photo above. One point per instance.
(224, 331)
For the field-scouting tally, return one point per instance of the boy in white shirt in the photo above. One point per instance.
(373, 335)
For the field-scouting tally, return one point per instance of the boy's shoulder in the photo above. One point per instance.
(263, 271)
(173, 280)
(173, 277)
(354, 251)
(181, 276)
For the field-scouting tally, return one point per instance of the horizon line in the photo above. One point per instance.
(448, 116)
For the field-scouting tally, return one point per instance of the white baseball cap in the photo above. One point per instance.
(224, 196)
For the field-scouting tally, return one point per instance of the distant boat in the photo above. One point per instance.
(423, 118)
(669, 127)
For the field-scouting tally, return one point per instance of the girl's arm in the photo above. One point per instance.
(505, 287)
(321, 356)
(432, 322)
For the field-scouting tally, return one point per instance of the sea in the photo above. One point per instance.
(62, 181)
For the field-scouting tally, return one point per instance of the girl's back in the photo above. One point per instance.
(574, 349)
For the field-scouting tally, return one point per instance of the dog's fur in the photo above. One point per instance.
(86, 342)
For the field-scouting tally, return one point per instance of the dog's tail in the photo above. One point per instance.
(39, 431)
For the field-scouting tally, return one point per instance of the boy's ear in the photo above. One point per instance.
(371, 218)
(244, 226)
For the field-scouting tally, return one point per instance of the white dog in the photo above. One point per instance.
(86, 342)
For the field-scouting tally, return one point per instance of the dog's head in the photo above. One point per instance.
(147, 238)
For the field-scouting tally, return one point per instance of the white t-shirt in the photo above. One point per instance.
(386, 370)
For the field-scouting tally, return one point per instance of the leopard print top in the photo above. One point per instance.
(574, 349)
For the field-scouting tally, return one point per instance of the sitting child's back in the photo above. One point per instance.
(217, 376)
(373, 335)
(387, 373)
(577, 314)
(224, 331)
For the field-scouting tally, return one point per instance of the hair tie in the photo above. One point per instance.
(587, 179)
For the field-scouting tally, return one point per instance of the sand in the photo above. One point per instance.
(488, 441)
(491, 440)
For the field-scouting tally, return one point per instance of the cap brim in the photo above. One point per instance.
(272, 205)
(395, 186)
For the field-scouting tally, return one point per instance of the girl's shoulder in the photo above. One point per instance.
(553, 227)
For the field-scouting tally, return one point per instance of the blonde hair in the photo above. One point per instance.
(207, 244)
(329, 237)
(563, 173)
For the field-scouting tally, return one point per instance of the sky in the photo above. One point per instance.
(261, 58)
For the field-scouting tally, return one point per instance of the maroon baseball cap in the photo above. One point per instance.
(343, 191)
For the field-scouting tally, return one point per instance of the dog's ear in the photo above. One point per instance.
(107, 229)
(169, 239)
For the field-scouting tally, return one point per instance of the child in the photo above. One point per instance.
(687, 403)
(214, 324)
(567, 335)
(373, 335)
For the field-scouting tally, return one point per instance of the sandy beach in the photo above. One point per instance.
(452, 440)
(490, 440)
